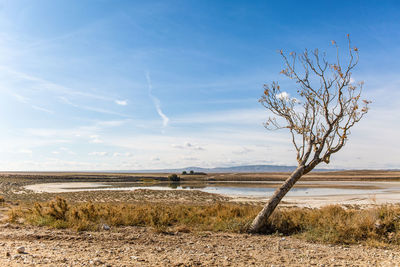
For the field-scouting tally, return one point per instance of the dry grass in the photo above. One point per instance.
(91, 216)
(332, 224)
(335, 224)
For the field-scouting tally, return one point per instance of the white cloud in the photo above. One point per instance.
(188, 145)
(119, 154)
(121, 102)
(283, 96)
(25, 151)
(95, 139)
(67, 150)
(243, 151)
(96, 153)
(156, 101)
(190, 158)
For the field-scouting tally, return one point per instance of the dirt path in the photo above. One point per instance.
(134, 246)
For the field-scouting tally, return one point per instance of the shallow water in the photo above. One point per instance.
(251, 189)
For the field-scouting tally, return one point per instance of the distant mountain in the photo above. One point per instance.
(233, 169)
(246, 168)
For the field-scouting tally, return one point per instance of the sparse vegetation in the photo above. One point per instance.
(89, 216)
(193, 173)
(332, 224)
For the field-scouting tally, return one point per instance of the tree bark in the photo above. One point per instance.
(260, 222)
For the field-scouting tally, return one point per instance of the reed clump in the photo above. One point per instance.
(333, 224)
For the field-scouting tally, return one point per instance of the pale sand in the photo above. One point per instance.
(391, 195)
(319, 201)
(63, 187)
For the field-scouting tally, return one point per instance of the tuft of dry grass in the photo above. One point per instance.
(335, 224)
(332, 224)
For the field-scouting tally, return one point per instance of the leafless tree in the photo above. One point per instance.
(320, 119)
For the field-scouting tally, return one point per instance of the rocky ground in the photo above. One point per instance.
(134, 246)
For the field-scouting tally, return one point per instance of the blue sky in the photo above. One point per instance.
(125, 85)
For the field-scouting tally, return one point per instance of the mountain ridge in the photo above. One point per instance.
(232, 169)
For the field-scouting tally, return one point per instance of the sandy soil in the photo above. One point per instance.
(320, 201)
(133, 246)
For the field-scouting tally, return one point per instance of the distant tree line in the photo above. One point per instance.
(191, 172)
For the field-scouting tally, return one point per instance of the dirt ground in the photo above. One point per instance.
(134, 246)
(141, 246)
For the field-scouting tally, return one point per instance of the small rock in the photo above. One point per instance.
(21, 250)
(378, 224)
(283, 239)
(8, 254)
(97, 261)
(106, 227)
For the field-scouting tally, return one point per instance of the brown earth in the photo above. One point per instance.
(142, 246)
(134, 246)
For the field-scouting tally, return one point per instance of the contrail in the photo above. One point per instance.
(156, 101)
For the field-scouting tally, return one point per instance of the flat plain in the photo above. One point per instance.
(145, 246)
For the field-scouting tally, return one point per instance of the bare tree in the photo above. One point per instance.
(320, 119)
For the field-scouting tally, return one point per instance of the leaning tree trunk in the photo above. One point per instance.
(260, 222)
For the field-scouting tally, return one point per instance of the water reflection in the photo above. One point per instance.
(174, 185)
(232, 189)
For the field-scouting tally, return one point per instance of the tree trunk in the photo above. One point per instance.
(260, 222)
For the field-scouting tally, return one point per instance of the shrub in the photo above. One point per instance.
(174, 178)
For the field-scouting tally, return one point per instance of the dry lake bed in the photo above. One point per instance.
(141, 246)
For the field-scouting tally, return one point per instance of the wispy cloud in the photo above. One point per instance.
(243, 151)
(20, 98)
(188, 145)
(51, 86)
(42, 109)
(156, 101)
(25, 100)
(89, 108)
(119, 154)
